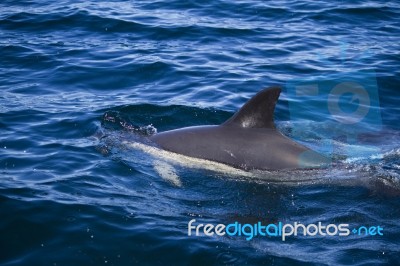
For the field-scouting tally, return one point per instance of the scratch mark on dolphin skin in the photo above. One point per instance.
(230, 153)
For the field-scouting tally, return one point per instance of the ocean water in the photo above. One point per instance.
(81, 82)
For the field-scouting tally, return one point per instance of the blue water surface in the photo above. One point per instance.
(80, 80)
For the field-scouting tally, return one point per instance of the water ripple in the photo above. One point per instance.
(79, 79)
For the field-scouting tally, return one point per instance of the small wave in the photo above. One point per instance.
(116, 120)
(77, 19)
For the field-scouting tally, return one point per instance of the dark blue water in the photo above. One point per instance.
(79, 81)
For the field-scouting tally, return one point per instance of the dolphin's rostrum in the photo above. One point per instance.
(248, 140)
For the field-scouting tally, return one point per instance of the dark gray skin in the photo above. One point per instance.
(248, 140)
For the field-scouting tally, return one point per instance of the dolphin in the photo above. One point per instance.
(248, 140)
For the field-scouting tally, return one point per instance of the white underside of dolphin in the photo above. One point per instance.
(164, 163)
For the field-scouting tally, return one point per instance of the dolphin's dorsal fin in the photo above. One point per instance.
(258, 112)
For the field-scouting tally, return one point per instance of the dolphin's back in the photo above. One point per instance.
(265, 149)
(248, 140)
